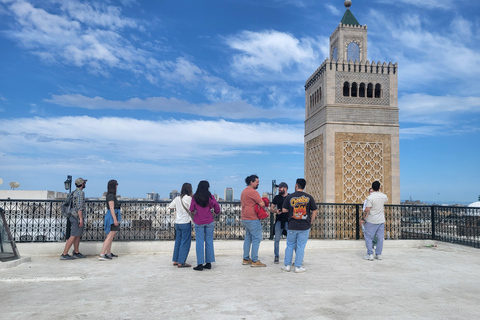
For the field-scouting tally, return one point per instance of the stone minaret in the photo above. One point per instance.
(351, 121)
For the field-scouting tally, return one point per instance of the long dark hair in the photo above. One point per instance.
(186, 189)
(112, 187)
(202, 195)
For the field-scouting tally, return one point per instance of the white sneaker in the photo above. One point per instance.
(286, 268)
(378, 256)
(300, 269)
(368, 257)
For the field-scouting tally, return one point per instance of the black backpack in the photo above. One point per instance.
(67, 206)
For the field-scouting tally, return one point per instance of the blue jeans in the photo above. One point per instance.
(278, 235)
(296, 239)
(372, 230)
(253, 236)
(183, 240)
(204, 243)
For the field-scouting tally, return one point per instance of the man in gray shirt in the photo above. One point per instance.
(374, 222)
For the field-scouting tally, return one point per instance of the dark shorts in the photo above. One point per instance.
(75, 230)
(114, 227)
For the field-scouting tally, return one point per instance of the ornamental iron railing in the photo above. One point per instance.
(41, 221)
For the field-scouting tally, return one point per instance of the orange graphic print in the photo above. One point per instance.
(299, 206)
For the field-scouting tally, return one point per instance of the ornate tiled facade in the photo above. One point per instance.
(314, 166)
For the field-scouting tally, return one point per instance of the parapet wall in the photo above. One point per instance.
(354, 67)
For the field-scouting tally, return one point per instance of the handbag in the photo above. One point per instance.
(261, 213)
(188, 210)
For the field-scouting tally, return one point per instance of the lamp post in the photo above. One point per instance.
(68, 186)
(272, 216)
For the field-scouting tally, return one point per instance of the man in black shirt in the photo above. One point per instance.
(302, 210)
(281, 218)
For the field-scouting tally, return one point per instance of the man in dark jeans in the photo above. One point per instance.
(281, 218)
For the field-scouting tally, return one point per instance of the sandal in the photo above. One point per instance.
(175, 264)
(185, 265)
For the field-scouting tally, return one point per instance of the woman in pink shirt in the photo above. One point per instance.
(202, 204)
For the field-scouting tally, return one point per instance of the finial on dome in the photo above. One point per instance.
(348, 3)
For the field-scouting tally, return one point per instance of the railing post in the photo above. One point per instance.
(357, 221)
(432, 219)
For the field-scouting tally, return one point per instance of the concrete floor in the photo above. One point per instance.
(411, 282)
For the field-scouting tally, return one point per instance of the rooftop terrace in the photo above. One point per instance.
(411, 282)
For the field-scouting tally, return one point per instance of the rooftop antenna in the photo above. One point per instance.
(14, 185)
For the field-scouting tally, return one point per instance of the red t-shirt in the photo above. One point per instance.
(249, 198)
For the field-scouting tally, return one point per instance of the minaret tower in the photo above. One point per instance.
(351, 121)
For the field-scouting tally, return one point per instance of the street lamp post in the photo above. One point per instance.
(272, 215)
(68, 186)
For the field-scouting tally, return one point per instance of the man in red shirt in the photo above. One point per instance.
(253, 227)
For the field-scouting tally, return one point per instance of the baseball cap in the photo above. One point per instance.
(283, 185)
(80, 181)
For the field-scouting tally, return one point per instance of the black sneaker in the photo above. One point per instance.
(66, 257)
(276, 260)
(78, 255)
(111, 255)
(199, 267)
(104, 258)
(207, 266)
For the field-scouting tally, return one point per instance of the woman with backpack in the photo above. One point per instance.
(202, 204)
(183, 226)
(111, 221)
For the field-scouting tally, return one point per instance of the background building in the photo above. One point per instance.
(153, 196)
(229, 194)
(351, 127)
(32, 195)
(174, 194)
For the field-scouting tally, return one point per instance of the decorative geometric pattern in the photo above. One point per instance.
(314, 165)
(362, 164)
(359, 77)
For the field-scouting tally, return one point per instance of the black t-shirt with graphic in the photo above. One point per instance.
(300, 206)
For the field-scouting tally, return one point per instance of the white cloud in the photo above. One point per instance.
(276, 55)
(140, 140)
(333, 9)
(223, 109)
(428, 4)
(429, 57)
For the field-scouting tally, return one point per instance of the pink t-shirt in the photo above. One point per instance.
(249, 198)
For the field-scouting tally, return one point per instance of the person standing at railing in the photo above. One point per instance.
(202, 204)
(183, 226)
(253, 227)
(281, 218)
(302, 211)
(375, 239)
(111, 221)
(76, 222)
(374, 222)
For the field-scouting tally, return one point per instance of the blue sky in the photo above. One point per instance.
(157, 93)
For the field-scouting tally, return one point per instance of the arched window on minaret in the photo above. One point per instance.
(335, 54)
(378, 90)
(353, 52)
(346, 89)
(361, 93)
(370, 90)
(354, 89)
(320, 94)
(311, 101)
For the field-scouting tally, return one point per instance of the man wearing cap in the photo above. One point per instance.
(281, 218)
(76, 221)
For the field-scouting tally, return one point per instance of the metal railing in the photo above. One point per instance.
(41, 221)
